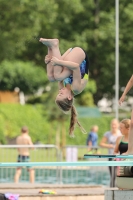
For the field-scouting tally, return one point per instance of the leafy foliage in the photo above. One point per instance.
(13, 117)
(16, 116)
(2, 130)
(86, 97)
(89, 24)
(25, 75)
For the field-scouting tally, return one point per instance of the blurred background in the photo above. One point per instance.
(26, 95)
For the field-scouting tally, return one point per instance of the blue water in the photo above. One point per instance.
(57, 176)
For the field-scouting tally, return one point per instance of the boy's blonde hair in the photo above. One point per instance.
(66, 105)
(126, 122)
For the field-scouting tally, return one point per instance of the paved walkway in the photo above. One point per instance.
(61, 190)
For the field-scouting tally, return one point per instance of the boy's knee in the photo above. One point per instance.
(51, 78)
(57, 77)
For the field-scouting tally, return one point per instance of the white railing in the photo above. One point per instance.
(87, 175)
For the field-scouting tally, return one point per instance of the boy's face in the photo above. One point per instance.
(64, 93)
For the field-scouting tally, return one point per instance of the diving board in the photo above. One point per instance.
(68, 164)
(107, 156)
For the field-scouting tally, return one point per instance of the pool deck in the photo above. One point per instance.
(63, 192)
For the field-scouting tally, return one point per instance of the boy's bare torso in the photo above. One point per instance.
(23, 139)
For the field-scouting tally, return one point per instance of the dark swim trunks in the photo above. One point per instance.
(23, 159)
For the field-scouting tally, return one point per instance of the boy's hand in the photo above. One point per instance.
(54, 61)
(47, 59)
(122, 99)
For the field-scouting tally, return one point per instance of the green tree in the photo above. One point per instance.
(20, 23)
(25, 75)
(126, 42)
(89, 24)
(86, 97)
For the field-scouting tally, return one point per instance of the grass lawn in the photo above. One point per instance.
(37, 155)
(42, 154)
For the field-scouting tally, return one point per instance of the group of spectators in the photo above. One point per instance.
(115, 140)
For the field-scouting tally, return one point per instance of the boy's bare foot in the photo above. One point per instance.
(49, 42)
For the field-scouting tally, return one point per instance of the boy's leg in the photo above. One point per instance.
(32, 175)
(53, 45)
(50, 68)
(17, 175)
(130, 143)
(77, 55)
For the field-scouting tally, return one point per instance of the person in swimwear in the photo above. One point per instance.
(24, 154)
(71, 72)
(122, 98)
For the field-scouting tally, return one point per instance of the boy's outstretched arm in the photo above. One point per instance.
(127, 88)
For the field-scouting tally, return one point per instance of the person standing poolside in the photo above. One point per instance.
(92, 139)
(122, 98)
(24, 154)
(122, 141)
(109, 141)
